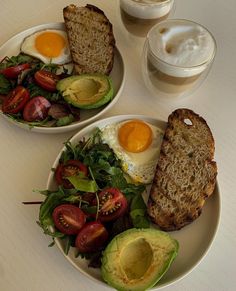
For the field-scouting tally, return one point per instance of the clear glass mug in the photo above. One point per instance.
(138, 16)
(177, 56)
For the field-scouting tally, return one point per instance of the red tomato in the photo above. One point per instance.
(112, 204)
(15, 100)
(13, 72)
(91, 237)
(70, 168)
(36, 109)
(2, 97)
(47, 80)
(69, 219)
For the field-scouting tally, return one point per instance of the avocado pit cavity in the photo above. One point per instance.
(136, 258)
(85, 90)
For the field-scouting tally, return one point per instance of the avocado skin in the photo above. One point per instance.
(111, 260)
(63, 84)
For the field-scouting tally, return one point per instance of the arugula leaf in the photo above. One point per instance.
(46, 209)
(43, 192)
(69, 241)
(16, 60)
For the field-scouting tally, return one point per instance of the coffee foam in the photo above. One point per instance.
(146, 9)
(180, 48)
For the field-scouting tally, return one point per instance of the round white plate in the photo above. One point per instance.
(194, 239)
(12, 47)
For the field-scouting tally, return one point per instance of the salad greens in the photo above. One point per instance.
(105, 171)
(60, 115)
(26, 77)
(16, 60)
(5, 85)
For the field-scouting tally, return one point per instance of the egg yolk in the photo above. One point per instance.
(50, 44)
(135, 136)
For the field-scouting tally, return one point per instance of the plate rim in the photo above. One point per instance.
(87, 130)
(78, 124)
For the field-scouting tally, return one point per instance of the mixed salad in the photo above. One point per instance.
(29, 93)
(94, 200)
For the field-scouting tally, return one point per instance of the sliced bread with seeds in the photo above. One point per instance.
(91, 39)
(186, 173)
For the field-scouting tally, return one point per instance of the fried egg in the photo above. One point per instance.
(137, 144)
(50, 46)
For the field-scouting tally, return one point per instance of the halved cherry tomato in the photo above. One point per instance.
(36, 109)
(47, 80)
(69, 219)
(91, 237)
(2, 97)
(112, 204)
(15, 100)
(14, 71)
(70, 168)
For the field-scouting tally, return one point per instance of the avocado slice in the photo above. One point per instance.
(136, 259)
(86, 91)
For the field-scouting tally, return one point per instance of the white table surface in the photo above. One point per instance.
(26, 263)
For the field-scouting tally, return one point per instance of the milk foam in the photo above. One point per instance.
(146, 9)
(183, 44)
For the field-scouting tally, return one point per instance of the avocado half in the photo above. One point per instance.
(86, 91)
(136, 259)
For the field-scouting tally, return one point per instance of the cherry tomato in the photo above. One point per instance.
(69, 219)
(36, 109)
(112, 204)
(15, 100)
(47, 80)
(14, 71)
(91, 237)
(2, 97)
(70, 168)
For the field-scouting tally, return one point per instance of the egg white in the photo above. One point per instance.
(28, 47)
(139, 166)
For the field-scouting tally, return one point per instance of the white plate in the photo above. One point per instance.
(12, 47)
(194, 239)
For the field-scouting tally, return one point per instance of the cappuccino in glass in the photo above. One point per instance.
(177, 57)
(139, 16)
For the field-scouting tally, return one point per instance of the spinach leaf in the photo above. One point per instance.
(82, 184)
(65, 120)
(5, 85)
(138, 212)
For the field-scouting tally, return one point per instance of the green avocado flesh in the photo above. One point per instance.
(136, 259)
(86, 91)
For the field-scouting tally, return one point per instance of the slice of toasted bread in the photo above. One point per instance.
(185, 174)
(91, 39)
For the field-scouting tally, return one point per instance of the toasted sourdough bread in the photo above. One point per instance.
(91, 39)
(185, 174)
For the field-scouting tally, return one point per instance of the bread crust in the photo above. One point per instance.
(91, 39)
(186, 173)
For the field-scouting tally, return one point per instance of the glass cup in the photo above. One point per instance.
(177, 57)
(138, 16)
